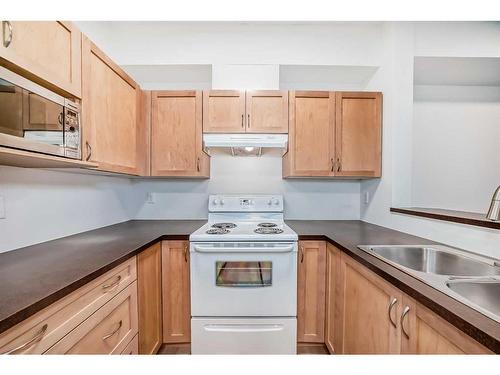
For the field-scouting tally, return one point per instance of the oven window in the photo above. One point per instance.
(244, 274)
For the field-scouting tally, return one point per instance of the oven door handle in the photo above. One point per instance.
(275, 249)
(243, 327)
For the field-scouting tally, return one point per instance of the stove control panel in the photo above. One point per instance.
(245, 203)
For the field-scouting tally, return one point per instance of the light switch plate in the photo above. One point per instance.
(150, 198)
(2, 207)
(367, 197)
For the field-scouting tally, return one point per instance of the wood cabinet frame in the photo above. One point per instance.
(237, 126)
(281, 115)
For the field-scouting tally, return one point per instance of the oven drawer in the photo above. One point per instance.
(243, 281)
(244, 336)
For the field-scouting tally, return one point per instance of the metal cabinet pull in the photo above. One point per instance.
(185, 254)
(391, 305)
(339, 165)
(301, 254)
(242, 120)
(198, 164)
(89, 150)
(333, 164)
(7, 40)
(248, 121)
(107, 288)
(105, 337)
(38, 336)
(403, 316)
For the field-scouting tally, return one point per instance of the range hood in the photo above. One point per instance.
(245, 144)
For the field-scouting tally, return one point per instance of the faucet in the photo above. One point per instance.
(494, 211)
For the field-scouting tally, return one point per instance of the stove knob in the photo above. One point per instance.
(222, 202)
(269, 202)
(276, 201)
(215, 201)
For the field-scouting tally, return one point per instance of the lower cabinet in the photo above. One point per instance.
(176, 292)
(311, 291)
(149, 299)
(367, 315)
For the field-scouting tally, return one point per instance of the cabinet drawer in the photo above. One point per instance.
(132, 347)
(109, 330)
(39, 332)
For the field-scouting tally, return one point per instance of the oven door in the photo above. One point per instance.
(243, 279)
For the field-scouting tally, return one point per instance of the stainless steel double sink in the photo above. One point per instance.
(470, 278)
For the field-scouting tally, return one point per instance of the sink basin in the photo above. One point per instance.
(432, 260)
(483, 293)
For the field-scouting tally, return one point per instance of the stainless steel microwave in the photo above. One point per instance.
(33, 118)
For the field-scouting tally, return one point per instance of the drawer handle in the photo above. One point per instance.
(107, 288)
(120, 323)
(31, 342)
(7, 40)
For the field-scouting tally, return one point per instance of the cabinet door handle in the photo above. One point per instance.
(248, 120)
(120, 323)
(7, 39)
(89, 150)
(403, 316)
(242, 120)
(198, 164)
(185, 254)
(333, 165)
(391, 306)
(339, 165)
(38, 336)
(301, 254)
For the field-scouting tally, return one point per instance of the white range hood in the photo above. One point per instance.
(245, 144)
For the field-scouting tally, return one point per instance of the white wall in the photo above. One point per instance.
(42, 205)
(304, 199)
(404, 41)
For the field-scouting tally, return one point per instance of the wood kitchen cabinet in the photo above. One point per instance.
(111, 114)
(47, 52)
(311, 291)
(333, 259)
(261, 111)
(176, 292)
(358, 123)
(149, 290)
(369, 308)
(424, 332)
(311, 137)
(176, 135)
(334, 134)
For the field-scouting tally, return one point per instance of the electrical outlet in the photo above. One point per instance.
(2, 208)
(150, 198)
(367, 197)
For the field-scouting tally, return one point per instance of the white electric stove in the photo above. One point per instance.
(244, 278)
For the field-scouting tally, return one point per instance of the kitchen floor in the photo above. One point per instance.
(186, 349)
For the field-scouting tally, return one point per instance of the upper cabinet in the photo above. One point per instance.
(227, 111)
(334, 134)
(311, 139)
(48, 52)
(113, 122)
(359, 134)
(224, 111)
(267, 111)
(176, 135)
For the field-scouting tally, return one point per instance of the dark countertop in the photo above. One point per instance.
(36, 276)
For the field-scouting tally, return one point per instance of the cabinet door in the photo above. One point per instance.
(110, 113)
(224, 111)
(176, 135)
(424, 332)
(175, 290)
(267, 111)
(311, 140)
(332, 334)
(311, 291)
(369, 311)
(46, 51)
(149, 299)
(359, 134)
